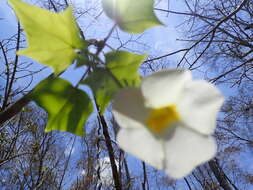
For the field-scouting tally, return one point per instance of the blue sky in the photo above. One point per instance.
(161, 40)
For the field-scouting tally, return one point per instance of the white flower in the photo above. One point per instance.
(169, 121)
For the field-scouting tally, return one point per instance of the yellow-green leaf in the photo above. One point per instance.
(124, 67)
(103, 86)
(122, 71)
(68, 107)
(133, 16)
(53, 38)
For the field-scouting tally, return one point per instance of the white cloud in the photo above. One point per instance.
(105, 171)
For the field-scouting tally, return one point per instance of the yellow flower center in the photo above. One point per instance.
(162, 118)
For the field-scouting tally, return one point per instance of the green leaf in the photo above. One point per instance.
(53, 38)
(121, 71)
(124, 67)
(103, 86)
(68, 107)
(133, 16)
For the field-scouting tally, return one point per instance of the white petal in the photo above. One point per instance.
(187, 149)
(142, 144)
(128, 108)
(199, 105)
(164, 87)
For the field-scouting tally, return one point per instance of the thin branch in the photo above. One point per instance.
(188, 184)
(5, 103)
(231, 70)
